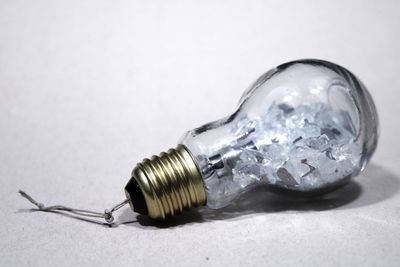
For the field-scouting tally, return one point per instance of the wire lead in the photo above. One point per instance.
(107, 215)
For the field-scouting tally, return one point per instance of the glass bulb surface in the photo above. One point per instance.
(304, 126)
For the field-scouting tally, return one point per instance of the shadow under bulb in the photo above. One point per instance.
(306, 126)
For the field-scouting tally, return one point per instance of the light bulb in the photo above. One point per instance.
(306, 126)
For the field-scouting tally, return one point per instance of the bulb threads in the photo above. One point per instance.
(169, 183)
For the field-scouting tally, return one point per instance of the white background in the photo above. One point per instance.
(89, 88)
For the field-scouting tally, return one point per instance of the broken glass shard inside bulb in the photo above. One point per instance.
(304, 126)
(309, 153)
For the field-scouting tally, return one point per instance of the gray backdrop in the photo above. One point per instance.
(89, 88)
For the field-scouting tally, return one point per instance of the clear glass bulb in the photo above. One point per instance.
(305, 126)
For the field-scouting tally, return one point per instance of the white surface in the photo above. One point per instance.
(88, 88)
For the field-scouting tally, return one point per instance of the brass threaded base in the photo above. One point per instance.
(170, 183)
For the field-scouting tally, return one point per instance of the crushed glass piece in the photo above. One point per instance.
(305, 147)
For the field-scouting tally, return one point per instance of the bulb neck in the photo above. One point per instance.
(166, 184)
